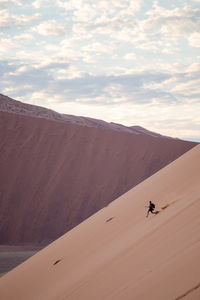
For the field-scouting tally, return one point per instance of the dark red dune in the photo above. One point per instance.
(54, 174)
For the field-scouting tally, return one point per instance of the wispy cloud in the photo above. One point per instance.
(194, 39)
(39, 3)
(8, 20)
(59, 77)
(4, 2)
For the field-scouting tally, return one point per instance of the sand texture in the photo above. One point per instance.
(118, 253)
(54, 174)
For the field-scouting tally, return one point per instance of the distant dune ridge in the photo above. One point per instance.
(118, 253)
(57, 170)
(14, 106)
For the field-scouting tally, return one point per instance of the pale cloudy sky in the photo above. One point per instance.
(134, 62)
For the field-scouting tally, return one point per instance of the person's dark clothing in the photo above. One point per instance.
(151, 208)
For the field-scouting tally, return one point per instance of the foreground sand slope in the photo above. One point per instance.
(118, 253)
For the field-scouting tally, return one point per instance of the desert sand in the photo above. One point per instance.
(55, 174)
(118, 253)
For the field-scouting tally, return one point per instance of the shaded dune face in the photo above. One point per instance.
(118, 253)
(55, 174)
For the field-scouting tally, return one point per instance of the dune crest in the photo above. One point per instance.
(17, 107)
(129, 257)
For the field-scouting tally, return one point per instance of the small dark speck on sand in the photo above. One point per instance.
(57, 261)
(109, 219)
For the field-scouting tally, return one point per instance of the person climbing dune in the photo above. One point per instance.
(151, 208)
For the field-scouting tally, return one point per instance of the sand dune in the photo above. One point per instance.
(53, 175)
(118, 253)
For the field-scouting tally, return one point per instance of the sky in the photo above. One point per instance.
(133, 62)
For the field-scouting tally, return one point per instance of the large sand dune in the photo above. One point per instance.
(54, 174)
(118, 253)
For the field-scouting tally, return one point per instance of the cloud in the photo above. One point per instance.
(194, 39)
(104, 6)
(70, 73)
(188, 89)
(85, 13)
(4, 2)
(163, 28)
(25, 38)
(173, 22)
(130, 56)
(70, 5)
(38, 3)
(23, 20)
(96, 48)
(66, 82)
(22, 76)
(4, 18)
(193, 68)
(50, 27)
(7, 44)
(85, 87)
(8, 20)
(88, 11)
(159, 31)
